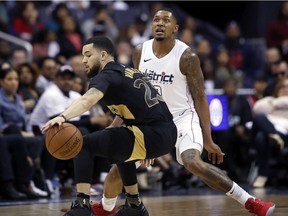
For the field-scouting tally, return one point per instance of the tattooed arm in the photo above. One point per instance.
(78, 107)
(190, 67)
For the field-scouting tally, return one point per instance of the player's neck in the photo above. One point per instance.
(162, 48)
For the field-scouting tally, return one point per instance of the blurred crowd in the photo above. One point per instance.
(38, 85)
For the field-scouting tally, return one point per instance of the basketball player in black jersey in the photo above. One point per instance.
(149, 130)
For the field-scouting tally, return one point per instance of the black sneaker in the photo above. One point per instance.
(79, 210)
(128, 210)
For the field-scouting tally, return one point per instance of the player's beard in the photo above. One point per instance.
(159, 38)
(94, 70)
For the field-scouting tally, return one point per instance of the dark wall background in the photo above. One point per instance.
(253, 16)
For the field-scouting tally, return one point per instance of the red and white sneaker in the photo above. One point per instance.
(259, 207)
(99, 210)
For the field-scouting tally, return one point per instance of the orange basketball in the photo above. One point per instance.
(64, 142)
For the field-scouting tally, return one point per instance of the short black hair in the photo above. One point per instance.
(171, 11)
(102, 42)
(5, 72)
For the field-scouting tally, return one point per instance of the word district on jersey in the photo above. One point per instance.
(159, 77)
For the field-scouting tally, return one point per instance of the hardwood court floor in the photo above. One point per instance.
(209, 204)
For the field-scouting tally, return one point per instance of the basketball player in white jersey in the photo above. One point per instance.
(175, 71)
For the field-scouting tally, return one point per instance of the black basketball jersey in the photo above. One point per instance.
(130, 95)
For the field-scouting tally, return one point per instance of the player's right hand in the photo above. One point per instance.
(57, 120)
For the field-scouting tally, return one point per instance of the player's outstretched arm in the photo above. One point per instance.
(78, 107)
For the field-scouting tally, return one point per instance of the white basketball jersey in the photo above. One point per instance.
(164, 73)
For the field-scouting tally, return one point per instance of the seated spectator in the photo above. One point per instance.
(223, 69)
(277, 32)
(279, 70)
(27, 86)
(243, 57)
(259, 85)
(47, 70)
(15, 170)
(59, 13)
(76, 63)
(270, 123)
(13, 117)
(101, 23)
(19, 56)
(26, 22)
(45, 44)
(70, 38)
(237, 135)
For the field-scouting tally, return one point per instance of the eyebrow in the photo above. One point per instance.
(86, 52)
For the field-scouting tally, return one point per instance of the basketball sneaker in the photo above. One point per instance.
(132, 210)
(100, 211)
(259, 207)
(79, 210)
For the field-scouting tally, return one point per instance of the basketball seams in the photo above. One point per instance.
(72, 135)
(56, 134)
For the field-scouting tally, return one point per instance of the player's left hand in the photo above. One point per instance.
(215, 153)
(57, 120)
(147, 162)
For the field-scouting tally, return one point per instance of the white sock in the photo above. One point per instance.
(108, 203)
(238, 194)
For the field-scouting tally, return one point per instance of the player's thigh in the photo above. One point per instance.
(189, 137)
(116, 144)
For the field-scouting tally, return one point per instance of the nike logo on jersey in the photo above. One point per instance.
(146, 60)
(182, 113)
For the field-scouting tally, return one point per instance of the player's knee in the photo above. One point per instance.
(113, 175)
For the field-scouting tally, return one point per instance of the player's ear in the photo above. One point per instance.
(103, 55)
(176, 28)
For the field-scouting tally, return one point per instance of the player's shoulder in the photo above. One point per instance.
(189, 55)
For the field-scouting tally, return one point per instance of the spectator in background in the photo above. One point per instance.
(270, 123)
(4, 18)
(277, 31)
(26, 22)
(19, 55)
(79, 84)
(45, 44)
(272, 56)
(81, 10)
(13, 120)
(75, 62)
(124, 53)
(259, 85)
(27, 86)
(223, 69)
(237, 135)
(69, 37)
(141, 32)
(60, 13)
(279, 70)
(241, 54)
(15, 169)
(187, 36)
(47, 70)
(208, 73)
(5, 51)
(60, 91)
(101, 24)
(203, 49)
